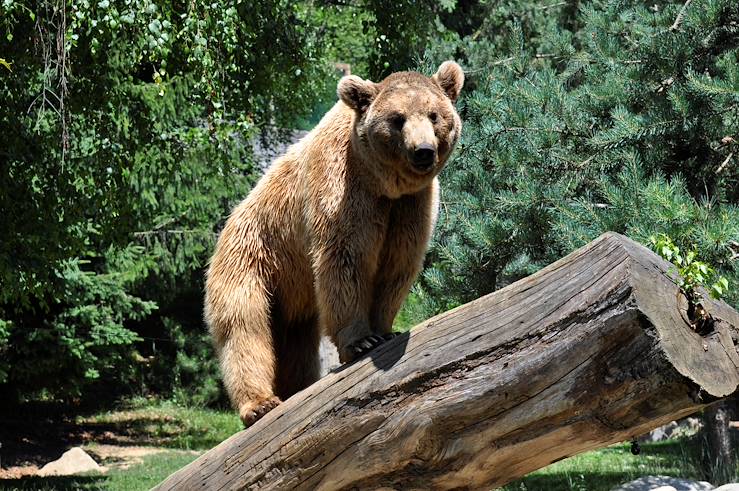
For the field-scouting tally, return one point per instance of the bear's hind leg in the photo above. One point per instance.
(240, 322)
(248, 366)
(299, 363)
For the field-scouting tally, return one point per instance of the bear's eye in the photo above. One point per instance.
(397, 120)
(433, 117)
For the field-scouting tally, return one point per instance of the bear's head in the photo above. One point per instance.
(405, 126)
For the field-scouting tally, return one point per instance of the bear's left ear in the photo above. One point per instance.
(450, 78)
(356, 93)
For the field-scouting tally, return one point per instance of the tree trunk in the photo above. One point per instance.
(592, 350)
(719, 457)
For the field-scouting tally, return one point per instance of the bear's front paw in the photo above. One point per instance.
(363, 346)
(251, 411)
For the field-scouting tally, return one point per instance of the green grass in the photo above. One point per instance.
(165, 424)
(140, 477)
(601, 470)
(142, 423)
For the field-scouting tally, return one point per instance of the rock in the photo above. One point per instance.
(329, 356)
(73, 461)
(664, 483)
(728, 487)
(265, 152)
(661, 433)
(674, 429)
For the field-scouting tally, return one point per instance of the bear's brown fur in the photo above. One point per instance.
(332, 237)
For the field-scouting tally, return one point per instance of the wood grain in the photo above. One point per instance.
(591, 350)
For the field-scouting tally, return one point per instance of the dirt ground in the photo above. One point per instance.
(31, 441)
(111, 457)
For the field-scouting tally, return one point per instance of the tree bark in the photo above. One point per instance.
(593, 349)
(718, 453)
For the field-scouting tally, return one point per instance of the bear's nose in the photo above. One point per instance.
(423, 156)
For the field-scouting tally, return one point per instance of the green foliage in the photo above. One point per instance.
(379, 37)
(195, 370)
(122, 154)
(576, 123)
(84, 336)
(402, 29)
(692, 273)
(127, 137)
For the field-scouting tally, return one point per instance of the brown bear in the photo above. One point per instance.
(332, 237)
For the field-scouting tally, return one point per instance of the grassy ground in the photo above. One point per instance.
(186, 432)
(164, 424)
(140, 477)
(603, 469)
(183, 432)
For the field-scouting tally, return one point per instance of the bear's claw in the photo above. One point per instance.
(365, 345)
(251, 412)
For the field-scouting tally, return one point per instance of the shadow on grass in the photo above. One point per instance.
(36, 437)
(149, 430)
(55, 483)
(681, 446)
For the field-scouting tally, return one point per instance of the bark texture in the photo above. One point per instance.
(718, 452)
(593, 349)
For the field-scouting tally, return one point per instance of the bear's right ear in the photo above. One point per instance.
(356, 93)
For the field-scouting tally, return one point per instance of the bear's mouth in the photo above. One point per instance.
(422, 168)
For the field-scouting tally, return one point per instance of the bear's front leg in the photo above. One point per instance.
(411, 223)
(347, 243)
(343, 293)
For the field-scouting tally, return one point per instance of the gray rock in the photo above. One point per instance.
(73, 461)
(728, 487)
(664, 483)
(329, 356)
(674, 429)
(265, 153)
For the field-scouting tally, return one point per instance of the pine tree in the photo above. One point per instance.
(618, 116)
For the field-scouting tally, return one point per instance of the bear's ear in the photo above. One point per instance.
(356, 93)
(450, 78)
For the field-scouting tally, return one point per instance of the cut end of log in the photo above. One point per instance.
(709, 360)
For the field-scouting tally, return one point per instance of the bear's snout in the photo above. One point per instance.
(424, 156)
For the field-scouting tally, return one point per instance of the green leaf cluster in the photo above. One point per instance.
(691, 273)
(127, 133)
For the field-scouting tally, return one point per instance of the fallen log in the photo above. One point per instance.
(594, 349)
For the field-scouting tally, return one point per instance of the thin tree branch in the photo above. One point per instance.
(547, 7)
(723, 165)
(680, 16)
